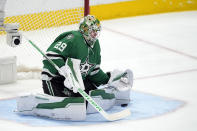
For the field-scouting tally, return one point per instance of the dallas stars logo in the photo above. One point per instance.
(86, 66)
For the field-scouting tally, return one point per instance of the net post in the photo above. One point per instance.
(86, 7)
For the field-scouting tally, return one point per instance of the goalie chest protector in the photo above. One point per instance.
(8, 70)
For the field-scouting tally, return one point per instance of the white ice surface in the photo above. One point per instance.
(162, 52)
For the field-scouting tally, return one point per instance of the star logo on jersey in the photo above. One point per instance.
(86, 66)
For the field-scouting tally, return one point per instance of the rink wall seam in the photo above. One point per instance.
(102, 11)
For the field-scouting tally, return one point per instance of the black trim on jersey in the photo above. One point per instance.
(56, 55)
(46, 73)
(98, 68)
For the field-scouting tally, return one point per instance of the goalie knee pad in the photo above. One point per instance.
(102, 98)
(122, 97)
(120, 84)
(62, 108)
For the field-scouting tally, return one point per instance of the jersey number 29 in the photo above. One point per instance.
(60, 46)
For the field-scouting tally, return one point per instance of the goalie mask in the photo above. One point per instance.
(90, 28)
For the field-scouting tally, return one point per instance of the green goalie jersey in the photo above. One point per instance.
(72, 44)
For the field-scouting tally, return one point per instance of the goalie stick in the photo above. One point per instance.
(109, 117)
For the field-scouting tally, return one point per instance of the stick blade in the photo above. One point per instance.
(118, 115)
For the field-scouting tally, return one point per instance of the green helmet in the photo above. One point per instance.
(90, 28)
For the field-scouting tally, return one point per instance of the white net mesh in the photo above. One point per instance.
(42, 27)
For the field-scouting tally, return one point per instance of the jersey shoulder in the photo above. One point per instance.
(65, 42)
(68, 36)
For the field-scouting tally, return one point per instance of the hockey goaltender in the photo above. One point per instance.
(77, 54)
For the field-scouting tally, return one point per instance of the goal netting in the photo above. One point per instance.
(41, 21)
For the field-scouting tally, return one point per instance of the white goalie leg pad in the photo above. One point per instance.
(102, 98)
(120, 84)
(62, 108)
(121, 96)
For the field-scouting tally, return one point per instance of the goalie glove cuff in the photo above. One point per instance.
(64, 72)
(72, 74)
(121, 80)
